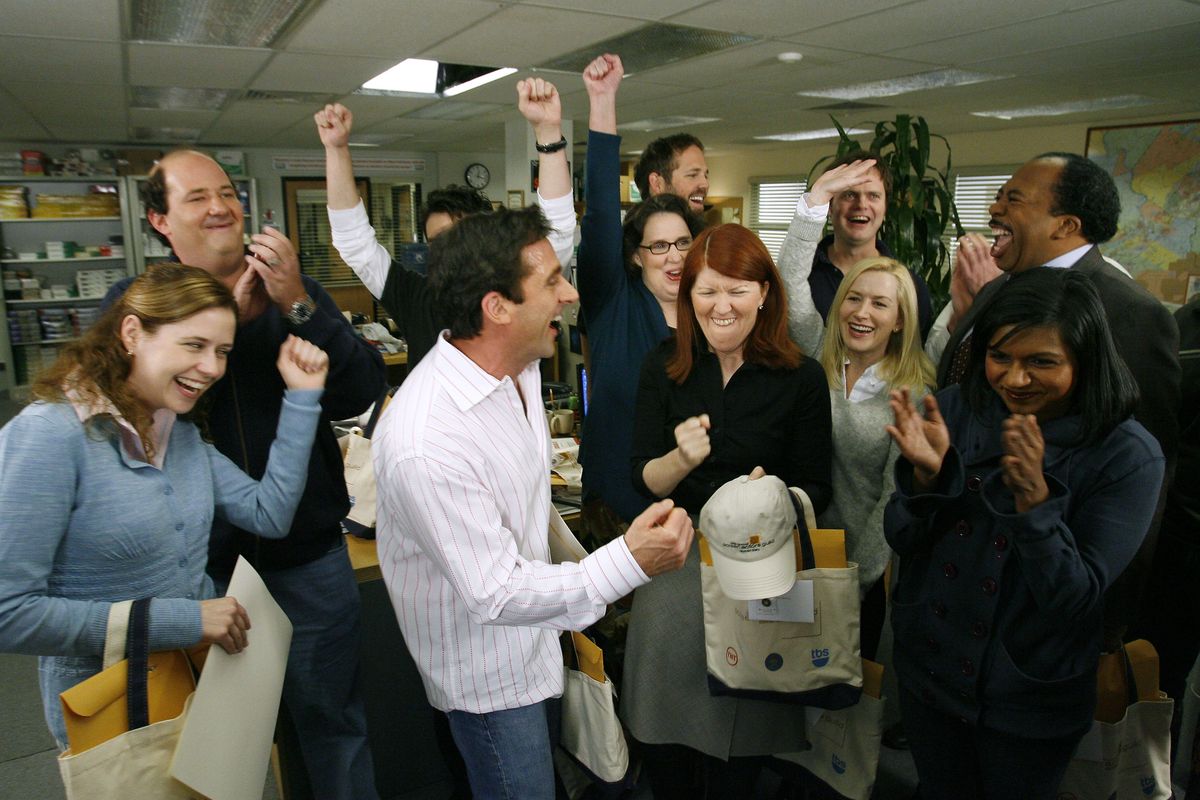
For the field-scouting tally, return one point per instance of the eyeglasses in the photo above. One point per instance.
(660, 247)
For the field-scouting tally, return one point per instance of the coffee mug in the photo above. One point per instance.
(562, 422)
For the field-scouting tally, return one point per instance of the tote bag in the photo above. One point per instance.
(813, 663)
(117, 748)
(1129, 757)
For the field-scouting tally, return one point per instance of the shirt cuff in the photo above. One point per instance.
(811, 214)
(304, 398)
(614, 571)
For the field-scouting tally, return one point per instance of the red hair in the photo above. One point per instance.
(735, 252)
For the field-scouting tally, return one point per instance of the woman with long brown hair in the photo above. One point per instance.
(109, 490)
(729, 393)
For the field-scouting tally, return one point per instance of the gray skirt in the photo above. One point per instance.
(664, 692)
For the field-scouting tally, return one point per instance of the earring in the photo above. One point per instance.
(760, 308)
(129, 353)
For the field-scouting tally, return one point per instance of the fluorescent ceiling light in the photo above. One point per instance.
(475, 83)
(911, 83)
(824, 133)
(1074, 107)
(414, 75)
(658, 123)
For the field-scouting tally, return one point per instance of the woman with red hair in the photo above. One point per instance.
(728, 393)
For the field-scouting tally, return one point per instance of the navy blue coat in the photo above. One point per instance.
(997, 614)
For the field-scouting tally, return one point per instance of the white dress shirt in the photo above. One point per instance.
(463, 470)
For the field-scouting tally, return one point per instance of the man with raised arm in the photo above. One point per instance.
(405, 294)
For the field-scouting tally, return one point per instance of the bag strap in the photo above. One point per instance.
(115, 633)
(138, 652)
(806, 521)
(377, 410)
(1130, 679)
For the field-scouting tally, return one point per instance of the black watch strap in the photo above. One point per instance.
(561, 144)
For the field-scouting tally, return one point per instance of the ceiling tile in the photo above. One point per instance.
(89, 128)
(69, 19)
(16, 123)
(193, 65)
(519, 36)
(69, 98)
(319, 73)
(385, 28)
(640, 9)
(780, 18)
(159, 118)
(59, 60)
(372, 109)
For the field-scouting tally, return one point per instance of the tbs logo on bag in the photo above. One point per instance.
(820, 656)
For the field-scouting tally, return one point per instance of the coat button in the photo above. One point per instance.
(988, 585)
(939, 609)
(974, 482)
(968, 667)
(1001, 542)
(978, 630)
(962, 528)
(933, 644)
(950, 570)
(963, 694)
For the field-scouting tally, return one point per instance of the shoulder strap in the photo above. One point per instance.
(138, 653)
(806, 522)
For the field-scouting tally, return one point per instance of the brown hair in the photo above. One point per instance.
(735, 252)
(95, 367)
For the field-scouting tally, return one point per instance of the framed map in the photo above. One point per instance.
(1156, 167)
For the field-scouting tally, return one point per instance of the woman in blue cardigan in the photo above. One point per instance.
(1020, 496)
(109, 490)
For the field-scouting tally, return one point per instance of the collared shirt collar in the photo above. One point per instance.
(467, 382)
(1069, 258)
(867, 386)
(131, 443)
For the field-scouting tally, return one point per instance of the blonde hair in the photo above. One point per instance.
(904, 362)
(95, 367)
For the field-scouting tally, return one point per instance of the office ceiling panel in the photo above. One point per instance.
(521, 36)
(385, 28)
(68, 19)
(59, 60)
(295, 72)
(194, 65)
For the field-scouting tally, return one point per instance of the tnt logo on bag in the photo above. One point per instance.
(731, 656)
(773, 662)
(839, 766)
(1148, 784)
(820, 656)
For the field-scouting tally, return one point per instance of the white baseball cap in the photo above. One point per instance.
(748, 525)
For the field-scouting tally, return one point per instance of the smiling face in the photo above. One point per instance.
(537, 319)
(661, 273)
(175, 364)
(726, 309)
(689, 179)
(856, 214)
(1033, 372)
(870, 314)
(1027, 233)
(204, 215)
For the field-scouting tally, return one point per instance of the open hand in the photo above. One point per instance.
(1021, 464)
(659, 538)
(691, 438)
(333, 125)
(302, 364)
(974, 268)
(838, 180)
(922, 440)
(250, 296)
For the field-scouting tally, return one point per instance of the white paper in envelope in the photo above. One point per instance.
(225, 746)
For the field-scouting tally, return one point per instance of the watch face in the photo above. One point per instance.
(477, 176)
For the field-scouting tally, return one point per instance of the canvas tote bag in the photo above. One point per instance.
(814, 663)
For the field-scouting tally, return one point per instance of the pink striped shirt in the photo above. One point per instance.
(463, 508)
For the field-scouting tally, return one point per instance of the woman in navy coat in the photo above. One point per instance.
(1021, 495)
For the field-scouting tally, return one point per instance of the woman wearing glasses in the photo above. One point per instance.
(628, 281)
(730, 392)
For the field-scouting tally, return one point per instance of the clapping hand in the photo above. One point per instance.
(922, 440)
(974, 268)
(302, 364)
(1021, 464)
(691, 439)
(839, 179)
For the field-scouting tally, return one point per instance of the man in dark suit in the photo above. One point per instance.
(1054, 212)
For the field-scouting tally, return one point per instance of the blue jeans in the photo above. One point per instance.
(321, 685)
(507, 752)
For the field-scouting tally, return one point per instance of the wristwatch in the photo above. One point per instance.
(553, 147)
(302, 311)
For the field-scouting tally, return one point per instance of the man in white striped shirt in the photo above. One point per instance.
(462, 457)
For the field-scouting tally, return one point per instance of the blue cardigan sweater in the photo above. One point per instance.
(83, 524)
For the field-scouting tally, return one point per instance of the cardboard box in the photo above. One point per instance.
(136, 162)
